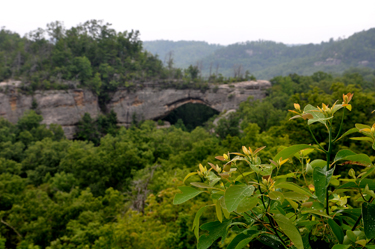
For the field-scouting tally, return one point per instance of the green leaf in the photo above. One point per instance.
(190, 174)
(219, 214)
(352, 213)
(316, 212)
(187, 194)
(243, 243)
(349, 155)
(196, 221)
(247, 204)
(321, 120)
(276, 196)
(363, 139)
(289, 175)
(263, 169)
(351, 235)
(369, 192)
(362, 126)
(361, 158)
(242, 239)
(342, 154)
(335, 108)
(215, 230)
(242, 175)
(321, 178)
(318, 163)
(213, 178)
(202, 185)
(359, 184)
(292, 203)
(337, 231)
(317, 115)
(296, 196)
(289, 229)
(224, 208)
(293, 187)
(352, 130)
(368, 216)
(290, 151)
(369, 171)
(235, 194)
(341, 246)
(271, 240)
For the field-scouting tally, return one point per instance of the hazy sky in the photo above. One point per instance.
(223, 22)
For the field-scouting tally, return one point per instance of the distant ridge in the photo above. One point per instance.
(266, 59)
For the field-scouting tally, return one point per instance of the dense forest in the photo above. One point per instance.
(118, 193)
(267, 59)
(113, 187)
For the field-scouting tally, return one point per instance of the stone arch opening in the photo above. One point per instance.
(172, 106)
(189, 114)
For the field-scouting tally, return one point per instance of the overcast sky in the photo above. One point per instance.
(214, 21)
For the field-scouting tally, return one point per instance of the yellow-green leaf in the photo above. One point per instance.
(219, 214)
(293, 187)
(235, 194)
(187, 194)
(190, 174)
(196, 221)
(290, 230)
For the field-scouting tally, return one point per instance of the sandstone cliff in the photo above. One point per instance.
(66, 107)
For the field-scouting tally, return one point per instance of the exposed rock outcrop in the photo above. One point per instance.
(156, 103)
(64, 107)
(67, 107)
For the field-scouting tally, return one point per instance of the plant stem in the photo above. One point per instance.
(243, 176)
(275, 230)
(342, 121)
(328, 153)
(357, 222)
(312, 134)
(268, 216)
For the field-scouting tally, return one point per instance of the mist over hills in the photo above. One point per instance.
(266, 59)
(184, 53)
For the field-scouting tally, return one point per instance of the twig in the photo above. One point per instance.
(2, 221)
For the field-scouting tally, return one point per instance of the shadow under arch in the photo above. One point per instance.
(192, 113)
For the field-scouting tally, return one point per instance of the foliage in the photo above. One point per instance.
(307, 207)
(118, 193)
(267, 59)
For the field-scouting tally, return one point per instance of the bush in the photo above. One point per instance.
(307, 208)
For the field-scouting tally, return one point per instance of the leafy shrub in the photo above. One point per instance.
(307, 208)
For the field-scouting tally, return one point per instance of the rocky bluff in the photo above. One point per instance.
(147, 101)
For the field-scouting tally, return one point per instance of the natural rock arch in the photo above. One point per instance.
(173, 106)
(153, 103)
(67, 107)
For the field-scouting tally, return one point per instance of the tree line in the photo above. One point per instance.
(115, 190)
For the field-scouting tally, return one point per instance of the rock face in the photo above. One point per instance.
(67, 107)
(156, 103)
(64, 107)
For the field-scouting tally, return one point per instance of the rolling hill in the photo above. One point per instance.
(266, 59)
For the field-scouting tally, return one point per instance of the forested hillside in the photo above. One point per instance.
(92, 54)
(267, 59)
(118, 193)
(183, 53)
(113, 187)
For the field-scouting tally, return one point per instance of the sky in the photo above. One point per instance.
(218, 22)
